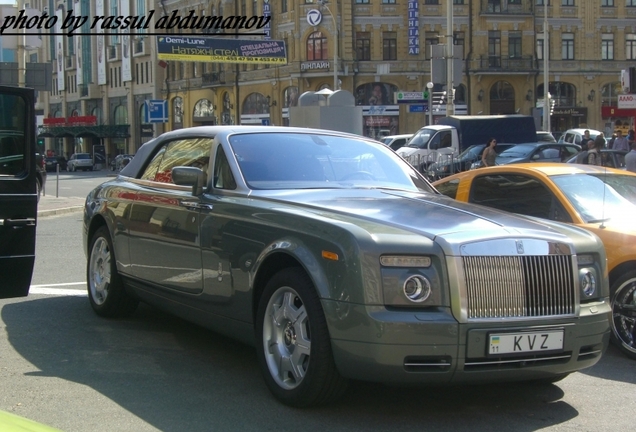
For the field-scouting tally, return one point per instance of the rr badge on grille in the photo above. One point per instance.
(519, 247)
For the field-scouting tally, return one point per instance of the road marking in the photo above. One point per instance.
(49, 289)
(58, 291)
(59, 284)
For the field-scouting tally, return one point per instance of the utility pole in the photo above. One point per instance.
(546, 83)
(450, 94)
(323, 3)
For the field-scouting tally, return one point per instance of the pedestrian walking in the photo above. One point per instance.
(630, 159)
(621, 142)
(489, 155)
(610, 143)
(594, 150)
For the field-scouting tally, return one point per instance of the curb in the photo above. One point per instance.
(59, 211)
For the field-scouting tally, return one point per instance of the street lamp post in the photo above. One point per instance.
(546, 83)
(429, 86)
(323, 3)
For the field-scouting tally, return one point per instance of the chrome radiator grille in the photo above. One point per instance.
(519, 286)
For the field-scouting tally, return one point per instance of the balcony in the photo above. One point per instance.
(523, 64)
(507, 7)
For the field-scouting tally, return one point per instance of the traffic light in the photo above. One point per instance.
(426, 94)
(552, 103)
(40, 142)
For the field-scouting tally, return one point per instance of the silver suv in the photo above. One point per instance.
(80, 161)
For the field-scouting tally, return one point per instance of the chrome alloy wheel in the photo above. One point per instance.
(624, 316)
(286, 338)
(99, 271)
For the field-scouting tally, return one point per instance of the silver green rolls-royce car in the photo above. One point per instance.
(337, 260)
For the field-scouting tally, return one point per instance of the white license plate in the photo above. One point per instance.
(517, 343)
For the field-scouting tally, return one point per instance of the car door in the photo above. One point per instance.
(18, 194)
(164, 237)
(517, 193)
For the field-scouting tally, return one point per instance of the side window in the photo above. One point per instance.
(449, 188)
(13, 148)
(446, 139)
(513, 193)
(191, 152)
(577, 139)
(434, 143)
(223, 178)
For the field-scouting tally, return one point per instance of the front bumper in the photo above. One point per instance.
(376, 344)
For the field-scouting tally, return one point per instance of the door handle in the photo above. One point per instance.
(14, 223)
(195, 205)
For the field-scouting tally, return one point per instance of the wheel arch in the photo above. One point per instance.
(620, 270)
(96, 223)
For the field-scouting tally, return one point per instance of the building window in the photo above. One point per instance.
(631, 3)
(459, 39)
(363, 46)
(114, 38)
(607, 3)
(514, 44)
(389, 46)
(607, 46)
(254, 7)
(433, 2)
(539, 48)
(567, 46)
(567, 2)
(283, 6)
(362, 1)
(494, 48)
(630, 47)
(388, 1)
(458, 2)
(430, 40)
(317, 47)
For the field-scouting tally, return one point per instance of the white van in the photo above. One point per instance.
(429, 144)
(576, 135)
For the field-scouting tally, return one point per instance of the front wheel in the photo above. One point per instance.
(624, 313)
(106, 291)
(293, 344)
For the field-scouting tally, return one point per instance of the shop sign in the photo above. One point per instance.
(313, 65)
(377, 121)
(627, 101)
(572, 112)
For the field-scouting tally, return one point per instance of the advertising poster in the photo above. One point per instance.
(101, 46)
(126, 68)
(217, 50)
(59, 50)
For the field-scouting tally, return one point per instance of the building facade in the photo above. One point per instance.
(372, 48)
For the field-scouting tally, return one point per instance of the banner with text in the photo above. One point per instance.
(217, 50)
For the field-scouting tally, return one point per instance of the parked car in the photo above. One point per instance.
(338, 260)
(472, 155)
(52, 163)
(545, 136)
(575, 136)
(609, 158)
(80, 161)
(538, 152)
(601, 200)
(396, 141)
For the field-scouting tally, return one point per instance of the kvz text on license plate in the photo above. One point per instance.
(511, 343)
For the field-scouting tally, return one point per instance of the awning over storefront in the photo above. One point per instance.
(98, 131)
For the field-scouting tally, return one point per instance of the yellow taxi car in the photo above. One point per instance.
(602, 200)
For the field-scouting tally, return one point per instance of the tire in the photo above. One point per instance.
(106, 291)
(623, 301)
(293, 344)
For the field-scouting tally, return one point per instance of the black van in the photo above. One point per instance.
(18, 190)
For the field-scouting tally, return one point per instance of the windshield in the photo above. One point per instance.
(599, 197)
(518, 151)
(311, 160)
(420, 139)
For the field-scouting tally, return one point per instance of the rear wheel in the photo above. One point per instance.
(293, 344)
(623, 295)
(106, 291)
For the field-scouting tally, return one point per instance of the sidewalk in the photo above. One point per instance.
(50, 206)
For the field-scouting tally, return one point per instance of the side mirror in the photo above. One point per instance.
(189, 176)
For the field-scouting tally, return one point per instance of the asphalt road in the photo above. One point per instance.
(62, 365)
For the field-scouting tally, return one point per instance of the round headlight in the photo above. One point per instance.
(588, 283)
(417, 288)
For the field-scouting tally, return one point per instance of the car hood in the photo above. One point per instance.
(439, 218)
